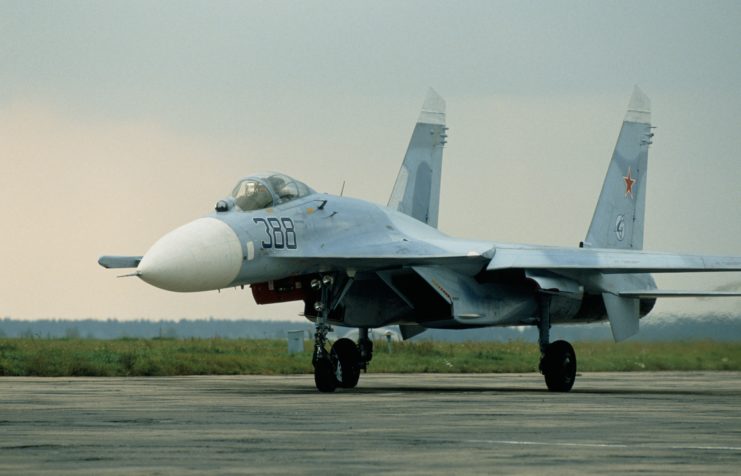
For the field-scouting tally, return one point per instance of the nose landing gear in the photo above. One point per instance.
(340, 367)
(324, 375)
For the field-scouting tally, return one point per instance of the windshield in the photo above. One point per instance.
(266, 190)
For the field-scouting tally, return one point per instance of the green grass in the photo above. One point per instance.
(160, 357)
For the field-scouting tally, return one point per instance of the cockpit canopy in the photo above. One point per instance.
(267, 190)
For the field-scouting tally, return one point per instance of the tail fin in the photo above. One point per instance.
(417, 188)
(619, 216)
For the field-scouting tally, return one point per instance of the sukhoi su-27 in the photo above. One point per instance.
(358, 264)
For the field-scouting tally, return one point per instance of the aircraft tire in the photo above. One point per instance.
(324, 376)
(345, 358)
(559, 366)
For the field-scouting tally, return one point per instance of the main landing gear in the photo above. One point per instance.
(341, 366)
(557, 359)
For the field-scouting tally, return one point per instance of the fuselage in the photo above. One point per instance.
(234, 247)
(315, 233)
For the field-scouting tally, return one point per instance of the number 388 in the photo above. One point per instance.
(280, 232)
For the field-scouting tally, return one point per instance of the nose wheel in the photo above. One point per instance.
(324, 375)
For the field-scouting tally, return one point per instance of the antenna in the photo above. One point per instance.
(342, 190)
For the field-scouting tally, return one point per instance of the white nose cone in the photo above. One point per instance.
(203, 255)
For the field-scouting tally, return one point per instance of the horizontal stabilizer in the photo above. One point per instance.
(623, 315)
(119, 261)
(608, 260)
(655, 293)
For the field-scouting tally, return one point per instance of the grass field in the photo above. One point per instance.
(160, 357)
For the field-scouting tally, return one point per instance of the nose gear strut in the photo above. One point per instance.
(324, 376)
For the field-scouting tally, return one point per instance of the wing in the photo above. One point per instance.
(385, 256)
(613, 273)
(655, 293)
(608, 260)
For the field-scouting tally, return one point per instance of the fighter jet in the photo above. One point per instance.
(363, 265)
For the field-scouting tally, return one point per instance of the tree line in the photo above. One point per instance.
(722, 328)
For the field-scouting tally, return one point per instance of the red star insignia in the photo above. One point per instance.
(629, 182)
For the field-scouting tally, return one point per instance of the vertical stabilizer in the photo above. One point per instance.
(619, 216)
(417, 188)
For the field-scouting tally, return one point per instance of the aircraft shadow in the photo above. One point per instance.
(453, 389)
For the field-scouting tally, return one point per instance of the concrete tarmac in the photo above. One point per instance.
(662, 423)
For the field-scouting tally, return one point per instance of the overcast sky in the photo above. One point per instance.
(120, 121)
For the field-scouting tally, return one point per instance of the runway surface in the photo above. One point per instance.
(666, 423)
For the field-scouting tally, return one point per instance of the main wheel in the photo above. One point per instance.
(559, 366)
(345, 358)
(324, 376)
